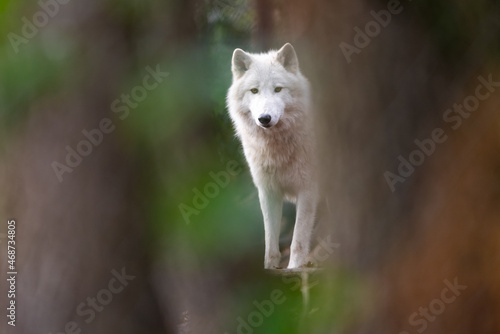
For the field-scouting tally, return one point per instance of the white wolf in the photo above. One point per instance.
(269, 103)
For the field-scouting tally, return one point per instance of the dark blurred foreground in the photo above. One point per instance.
(113, 123)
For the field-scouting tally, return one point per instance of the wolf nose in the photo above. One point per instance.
(265, 119)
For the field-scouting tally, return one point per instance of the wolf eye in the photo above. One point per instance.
(278, 89)
(254, 90)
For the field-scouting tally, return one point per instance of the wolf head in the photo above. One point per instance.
(267, 88)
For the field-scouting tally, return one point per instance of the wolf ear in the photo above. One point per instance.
(240, 63)
(288, 58)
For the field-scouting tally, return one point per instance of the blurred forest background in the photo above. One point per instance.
(157, 73)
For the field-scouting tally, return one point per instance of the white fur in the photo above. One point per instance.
(282, 157)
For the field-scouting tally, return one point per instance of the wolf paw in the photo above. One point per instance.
(300, 262)
(272, 262)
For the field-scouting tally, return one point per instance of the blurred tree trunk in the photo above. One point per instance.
(264, 27)
(74, 236)
(442, 222)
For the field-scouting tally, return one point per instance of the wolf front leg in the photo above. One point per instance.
(271, 205)
(304, 223)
